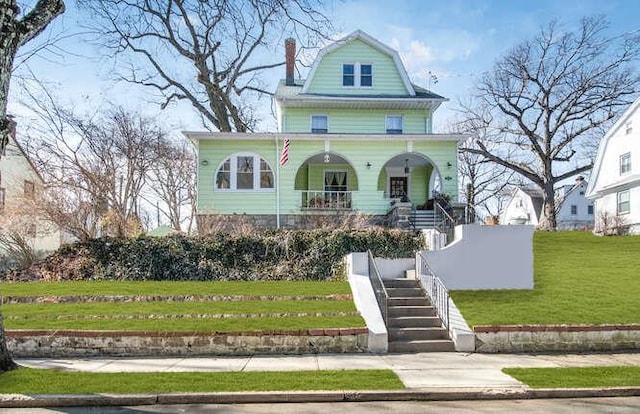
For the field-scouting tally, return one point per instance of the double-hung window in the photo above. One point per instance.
(393, 124)
(625, 163)
(366, 75)
(244, 172)
(29, 189)
(319, 124)
(623, 202)
(348, 74)
(358, 75)
(2, 195)
(574, 209)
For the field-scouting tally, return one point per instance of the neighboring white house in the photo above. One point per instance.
(615, 180)
(19, 183)
(575, 211)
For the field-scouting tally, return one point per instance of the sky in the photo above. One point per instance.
(455, 40)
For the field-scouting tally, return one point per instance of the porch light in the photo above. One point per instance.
(448, 178)
(368, 165)
(406, 166)
(204, 162)
(449, 165)
(327, 158)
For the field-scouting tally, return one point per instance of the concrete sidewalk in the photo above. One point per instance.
(448, 370)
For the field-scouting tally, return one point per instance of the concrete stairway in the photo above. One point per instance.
(412, 322)
(422, 219)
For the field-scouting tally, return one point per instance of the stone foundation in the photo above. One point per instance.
(208, 223)
(556, 338)
(74, 344)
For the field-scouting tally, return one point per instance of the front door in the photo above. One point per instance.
(398, 187)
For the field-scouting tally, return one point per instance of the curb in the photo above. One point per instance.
(432, 394)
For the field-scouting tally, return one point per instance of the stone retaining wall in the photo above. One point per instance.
(63, 344)
(556, 338)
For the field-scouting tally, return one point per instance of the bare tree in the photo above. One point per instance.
(96, 168)
(547, 100)
(172, 181)
(16, 29)
(209, 53)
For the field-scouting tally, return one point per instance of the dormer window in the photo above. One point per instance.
(366, 75)
(358, 75)
(348, 74)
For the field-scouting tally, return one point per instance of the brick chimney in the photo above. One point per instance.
(290, 60)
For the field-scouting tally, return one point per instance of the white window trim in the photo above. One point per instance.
(311, 122)
(618, 212)
(233, 179)
(626, 155)
(357, 75)
(386, 118)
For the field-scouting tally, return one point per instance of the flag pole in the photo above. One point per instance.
(277, 182)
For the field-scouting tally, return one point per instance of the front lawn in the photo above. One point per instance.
(579, 279)
(583, 377)
(45, 381)
(207, 307)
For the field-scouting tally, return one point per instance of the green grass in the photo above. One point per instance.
(579, 279)
(586, 377)
(246, 288)
(36, 381)
(192, 325)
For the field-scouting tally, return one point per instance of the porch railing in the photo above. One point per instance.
(378, 287)
(434, 287)
(326, 200)
(444, 222)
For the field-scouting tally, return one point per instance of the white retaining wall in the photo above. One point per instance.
(486, 257)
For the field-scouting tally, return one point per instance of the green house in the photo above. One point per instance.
(354, 137)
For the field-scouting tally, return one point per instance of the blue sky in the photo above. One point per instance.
(456, 40)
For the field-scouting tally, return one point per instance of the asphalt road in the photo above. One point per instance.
(548, 406)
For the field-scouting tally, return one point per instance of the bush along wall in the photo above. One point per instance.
(272, 255)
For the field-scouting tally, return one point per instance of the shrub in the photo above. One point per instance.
(270, 255)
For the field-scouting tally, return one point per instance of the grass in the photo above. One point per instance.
(579, 279)
(585, 377)
(37, 381)
(192, 325)
(246, 288)
(115, 315)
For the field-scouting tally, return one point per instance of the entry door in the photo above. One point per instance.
(398, 187)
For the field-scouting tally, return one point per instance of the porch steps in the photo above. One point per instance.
(422, 219)
(411, 321)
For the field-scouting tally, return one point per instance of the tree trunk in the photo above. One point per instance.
(6, 363)
(549, 208)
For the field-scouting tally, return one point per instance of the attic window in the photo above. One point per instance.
(348, 74)
(358, 75)
(625, 163)
(628, 128)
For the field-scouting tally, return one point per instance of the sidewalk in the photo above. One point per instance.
(448, 370)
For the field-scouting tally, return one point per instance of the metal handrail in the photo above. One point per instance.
(378, 287)
(446, 223)
(434, 287)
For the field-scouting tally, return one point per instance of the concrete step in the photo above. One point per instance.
(404, 292)
(414, 322)
(417, 333)
(438, 345)
(401, 283)
(412, 301)
(400, 311)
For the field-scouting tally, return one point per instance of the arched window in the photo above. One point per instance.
(244, 171)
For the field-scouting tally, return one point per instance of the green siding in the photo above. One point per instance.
(352, 121)
(369, 182)
(327, 78)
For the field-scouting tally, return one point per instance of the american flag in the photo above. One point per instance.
(284, 157)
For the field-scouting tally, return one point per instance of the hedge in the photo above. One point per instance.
(271, 255)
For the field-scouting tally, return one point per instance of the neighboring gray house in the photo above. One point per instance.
(574, 210)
